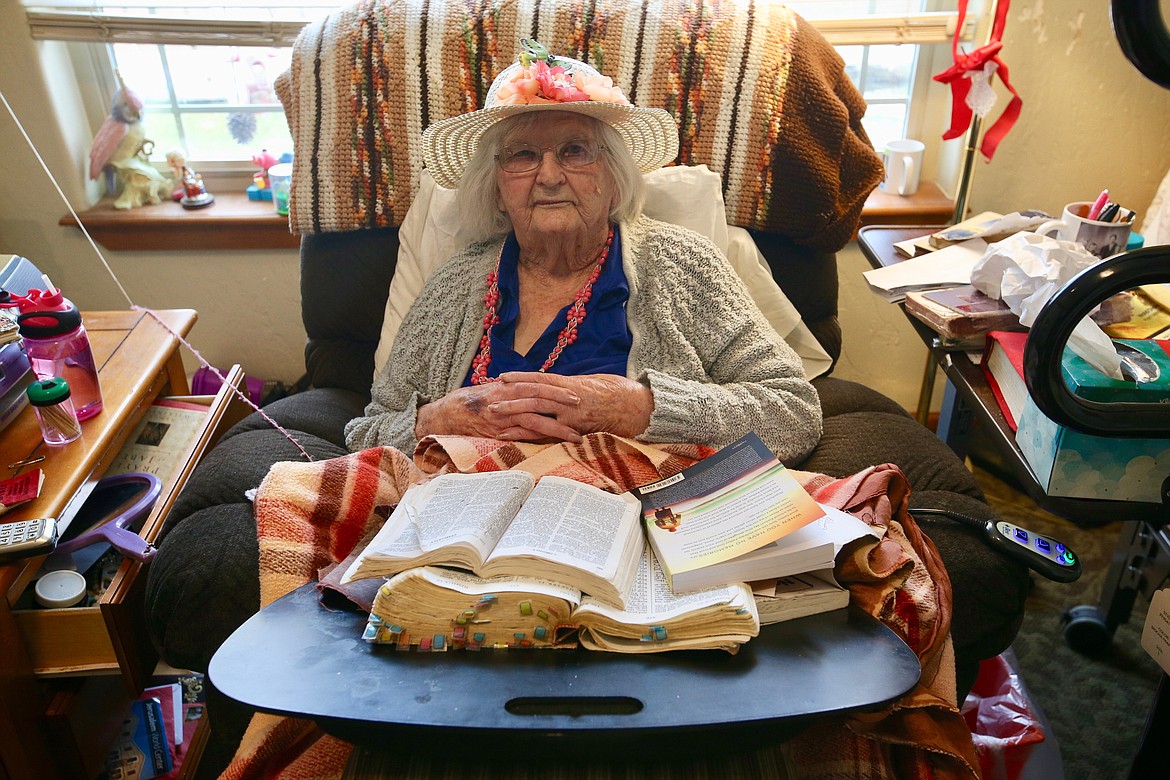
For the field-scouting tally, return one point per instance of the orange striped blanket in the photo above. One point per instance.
(311, 515)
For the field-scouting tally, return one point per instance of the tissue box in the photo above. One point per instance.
(1075, 465)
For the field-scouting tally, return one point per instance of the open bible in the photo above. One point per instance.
(503, 523)
(436, 609)
(498, 559)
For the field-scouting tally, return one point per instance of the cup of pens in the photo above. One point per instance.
(1102, 226)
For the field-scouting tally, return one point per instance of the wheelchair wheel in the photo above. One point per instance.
(1085, 630)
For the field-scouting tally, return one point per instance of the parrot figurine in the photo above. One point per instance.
(119, 149)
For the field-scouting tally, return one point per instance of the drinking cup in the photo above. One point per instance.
(280, 178)
(903, 159)
(1102, 239)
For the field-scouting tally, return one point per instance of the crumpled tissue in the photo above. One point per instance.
(1025, 270)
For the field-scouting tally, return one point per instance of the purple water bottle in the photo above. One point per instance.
(57, 345)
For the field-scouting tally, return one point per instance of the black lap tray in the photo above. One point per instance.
(296, 658)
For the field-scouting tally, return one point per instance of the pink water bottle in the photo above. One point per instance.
(57, 345)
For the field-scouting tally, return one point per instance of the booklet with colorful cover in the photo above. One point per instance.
(737, 516)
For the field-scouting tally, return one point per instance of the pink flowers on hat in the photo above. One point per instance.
(539, 82)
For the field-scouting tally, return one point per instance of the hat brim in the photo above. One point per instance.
(650, 134)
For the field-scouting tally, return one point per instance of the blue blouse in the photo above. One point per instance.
(603, 338)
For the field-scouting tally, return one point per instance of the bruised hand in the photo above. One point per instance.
(500, 410)
(605, 402)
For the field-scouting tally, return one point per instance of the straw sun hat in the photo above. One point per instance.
(542, 82)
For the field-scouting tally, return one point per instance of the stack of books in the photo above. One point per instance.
(499, 560)
(962, 316)
(15, 372)
(1071, 464)
(17, 277)
(159, 730)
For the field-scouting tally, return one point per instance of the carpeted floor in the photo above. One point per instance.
(1096, 707)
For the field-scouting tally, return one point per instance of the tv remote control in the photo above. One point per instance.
(1046, 555)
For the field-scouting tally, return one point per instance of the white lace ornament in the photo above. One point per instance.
(981, 98)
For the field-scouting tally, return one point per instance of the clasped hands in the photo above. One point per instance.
(537, 407)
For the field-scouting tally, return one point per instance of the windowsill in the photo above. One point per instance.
(234, 222)
(928, 206)
(231, 222)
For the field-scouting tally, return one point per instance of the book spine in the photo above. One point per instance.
(14, 366)
(13, 402)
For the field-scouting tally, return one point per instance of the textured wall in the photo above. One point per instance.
(1089, 121)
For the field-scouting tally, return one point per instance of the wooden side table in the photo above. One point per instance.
(138, 360)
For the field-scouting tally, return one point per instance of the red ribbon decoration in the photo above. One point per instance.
(957, 76)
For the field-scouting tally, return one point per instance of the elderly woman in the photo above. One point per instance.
(575, 313)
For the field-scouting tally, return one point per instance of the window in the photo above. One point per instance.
(214, 102)
(882, 58)
(205, 70)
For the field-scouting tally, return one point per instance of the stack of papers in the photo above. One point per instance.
(947, 267)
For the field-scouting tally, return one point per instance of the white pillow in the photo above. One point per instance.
(690, 196)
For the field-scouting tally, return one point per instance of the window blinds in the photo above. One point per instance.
(277, 23)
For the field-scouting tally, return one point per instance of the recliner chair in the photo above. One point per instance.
(204, 581)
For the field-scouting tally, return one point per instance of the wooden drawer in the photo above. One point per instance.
(110, 637)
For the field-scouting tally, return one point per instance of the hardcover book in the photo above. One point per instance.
(504, 523)
(142, 750)
(1073, 464)
(961, 312)
(1003, 365)
(560, 562)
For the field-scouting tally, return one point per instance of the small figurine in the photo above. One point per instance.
(261, 187)
(176, 160)
(142, 184)
(195, 194)
(264, 161)
(120, 150)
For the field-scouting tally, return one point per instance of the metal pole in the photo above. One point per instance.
(964, 189)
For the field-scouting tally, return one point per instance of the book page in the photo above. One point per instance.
(842, 527)
(571, 522)
(469, 508)
(162, 438)
(651, 600)
(471, 585)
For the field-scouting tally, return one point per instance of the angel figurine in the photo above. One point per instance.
(120, 150)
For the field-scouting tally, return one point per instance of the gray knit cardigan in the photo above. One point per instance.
(715, 366)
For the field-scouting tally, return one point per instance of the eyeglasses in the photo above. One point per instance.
(574, 153)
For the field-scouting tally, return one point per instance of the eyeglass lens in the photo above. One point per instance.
(574, 153)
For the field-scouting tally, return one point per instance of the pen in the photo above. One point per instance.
(1109, 212)
(1099, 204)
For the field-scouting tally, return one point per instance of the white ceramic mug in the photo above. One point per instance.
(903, 166)
(1102, 239)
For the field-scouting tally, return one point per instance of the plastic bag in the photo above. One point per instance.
(205, 382)
(1004, 723)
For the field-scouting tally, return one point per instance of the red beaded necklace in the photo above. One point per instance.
(568, 334)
